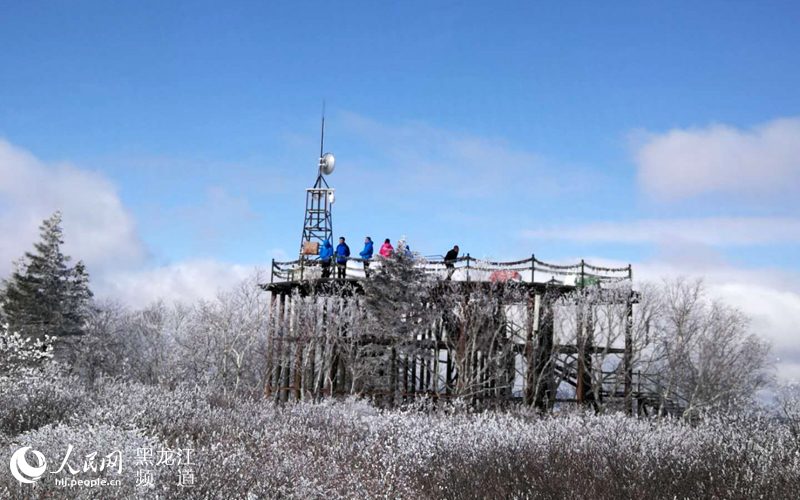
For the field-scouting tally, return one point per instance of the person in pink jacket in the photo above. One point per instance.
(386, 249)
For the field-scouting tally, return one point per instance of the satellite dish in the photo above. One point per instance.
(326, 163)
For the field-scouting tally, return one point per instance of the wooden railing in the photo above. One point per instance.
(465, 268)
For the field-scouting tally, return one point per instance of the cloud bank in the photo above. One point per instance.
(721, 159)
(185, 282)
(99, 230)
(712, 231)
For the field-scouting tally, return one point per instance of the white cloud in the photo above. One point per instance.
(185, 282)
(774, 313)
(712, 231)
(720, 158)
(98, 228)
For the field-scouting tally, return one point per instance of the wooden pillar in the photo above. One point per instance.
(423, 373)
(435, 385)
(341, 353)
(298, 368)
(545, 357)
(461, 353)
(431, 363)
(287, 352)
(510, 370)
(483, 380)
(405, 377)
(449, 371)
(627, 359)
(319, 385)
(473, 376)
(414, 367)
(584, 341)
(531, 376)
(393, 376)
(334, 338)
(445, 329)
(310, 378)
(270, 341)
(332, 369)
(590, 395)
(279, 346)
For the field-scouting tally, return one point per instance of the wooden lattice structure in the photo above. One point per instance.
(533, 359)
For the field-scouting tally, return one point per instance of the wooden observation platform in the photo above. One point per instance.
(488, 332)
(493, 332)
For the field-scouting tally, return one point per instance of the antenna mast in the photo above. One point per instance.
(322, 132)
(318, 222)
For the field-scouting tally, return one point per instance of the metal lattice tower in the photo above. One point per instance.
(318, 224)
(318, 221)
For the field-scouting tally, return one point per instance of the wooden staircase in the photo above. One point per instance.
(648, 393)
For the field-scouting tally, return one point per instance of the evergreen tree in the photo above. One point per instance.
(44, 296)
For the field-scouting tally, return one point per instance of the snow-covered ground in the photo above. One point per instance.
(192, 443)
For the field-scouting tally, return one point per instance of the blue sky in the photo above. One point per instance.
(659, 133)
(191, 105)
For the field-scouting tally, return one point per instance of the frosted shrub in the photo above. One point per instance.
(345, 450)
(18, 353)
(31, 399)
(350, 449)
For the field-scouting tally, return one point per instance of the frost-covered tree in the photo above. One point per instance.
(480, 327)
(788, 408)
(217, 343)
(44, 295)
(398, 303)
(106, 347)
(18, 352)
(226, 338)
(412, 316)
(702, 351)
(138, 345)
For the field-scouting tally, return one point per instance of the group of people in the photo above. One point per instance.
(341, 254)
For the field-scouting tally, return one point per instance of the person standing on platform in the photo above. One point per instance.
(450, 261)
(366, 254)
(386, 249)
(404, 249)
(325, 256)
(342, 253)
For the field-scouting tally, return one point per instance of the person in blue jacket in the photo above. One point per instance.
(342, 253)
(366, 254)
(325, 255)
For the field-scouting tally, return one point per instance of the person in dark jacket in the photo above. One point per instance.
(325, 256)
(342, 253)
(366, 254)
(450, 259)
